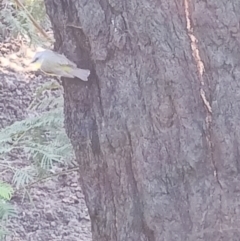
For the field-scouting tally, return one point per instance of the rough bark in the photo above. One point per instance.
(156, 137)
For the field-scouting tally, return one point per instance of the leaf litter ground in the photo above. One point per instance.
(57, 210)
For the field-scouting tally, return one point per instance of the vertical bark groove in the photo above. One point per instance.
(204, 84)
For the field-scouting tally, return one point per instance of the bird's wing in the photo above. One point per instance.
(63, 60)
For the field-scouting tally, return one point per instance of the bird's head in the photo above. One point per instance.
(38, 59)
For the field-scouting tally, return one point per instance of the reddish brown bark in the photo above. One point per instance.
(155, 137)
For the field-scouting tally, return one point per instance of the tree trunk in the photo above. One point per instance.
(155, 130)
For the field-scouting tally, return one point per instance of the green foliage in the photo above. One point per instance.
(15, 22)
(37, 9)
(6, 192)
(6, 209)
(41, 137)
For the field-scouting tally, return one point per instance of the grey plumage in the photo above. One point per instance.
(57, 64)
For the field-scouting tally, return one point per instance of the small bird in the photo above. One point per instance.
(56, 64)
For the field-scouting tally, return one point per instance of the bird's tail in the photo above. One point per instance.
(81, 73)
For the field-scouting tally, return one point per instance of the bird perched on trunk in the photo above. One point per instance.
(56, 64)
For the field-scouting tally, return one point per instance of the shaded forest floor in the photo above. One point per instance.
(58, 210)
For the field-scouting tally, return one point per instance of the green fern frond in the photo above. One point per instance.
(3, 233)
(41, 137)
(6, 191)
(20, 129)
(24, 176)
(17, 22)
(6, 210)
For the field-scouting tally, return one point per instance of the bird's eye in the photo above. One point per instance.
(35, 60)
